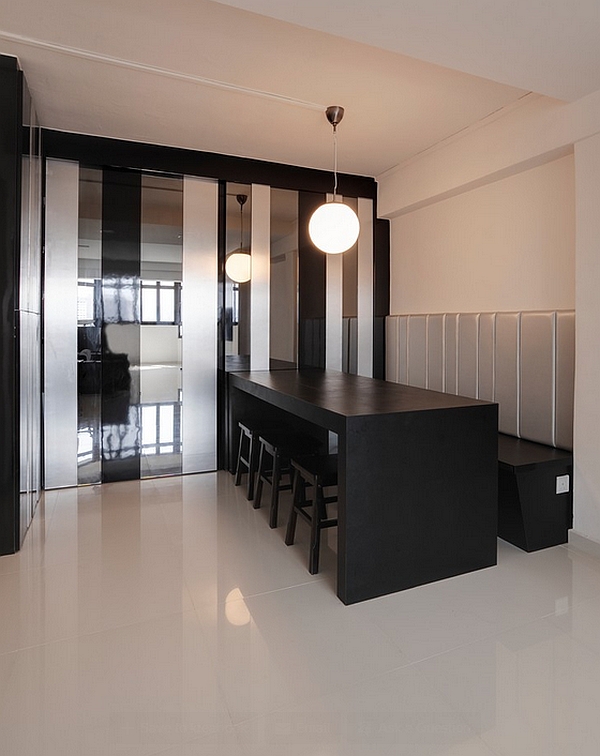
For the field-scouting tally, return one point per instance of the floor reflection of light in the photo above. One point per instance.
(236, 610)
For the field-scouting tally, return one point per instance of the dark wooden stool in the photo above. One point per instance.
(248, 458)
(319, 473)
(280, 447)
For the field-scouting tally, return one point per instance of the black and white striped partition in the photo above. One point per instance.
(525, 361)
(350, 345)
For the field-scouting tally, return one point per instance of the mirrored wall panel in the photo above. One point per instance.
(89, 327)
(108, 326)
(284, 279)
(160, 364)
(29, 317)
(121, 314)
(124, 250)
(238, 272)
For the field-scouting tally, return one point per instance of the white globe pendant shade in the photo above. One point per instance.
(334, 228)
(238, 266)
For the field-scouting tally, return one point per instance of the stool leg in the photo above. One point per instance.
(297, 492)
(315, 530)
(252, 467)
(275, 481)
(238, 467)
(260, 473)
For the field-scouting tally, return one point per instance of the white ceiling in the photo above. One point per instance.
(546, 46)
(208, 76)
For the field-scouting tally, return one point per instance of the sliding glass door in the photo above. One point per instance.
(131, 325)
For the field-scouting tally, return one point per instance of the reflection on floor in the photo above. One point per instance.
(150, 429)
(165, 617)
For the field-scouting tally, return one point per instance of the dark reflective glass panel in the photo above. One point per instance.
(121, 251)
(283, 285)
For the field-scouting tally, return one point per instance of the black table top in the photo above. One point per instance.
(346, 395)
(240, 363)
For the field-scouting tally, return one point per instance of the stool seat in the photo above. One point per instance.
(280, 446)
(323, 468)
(318, 472)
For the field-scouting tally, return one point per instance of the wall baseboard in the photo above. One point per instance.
(579, 542)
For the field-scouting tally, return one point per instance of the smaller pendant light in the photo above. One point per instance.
(334, 227)
(238, 264)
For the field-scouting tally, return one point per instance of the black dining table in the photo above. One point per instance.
(417, 472)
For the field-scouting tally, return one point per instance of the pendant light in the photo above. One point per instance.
(238, 264)
(334, 227)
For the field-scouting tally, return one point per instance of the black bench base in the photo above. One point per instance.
(531, 515)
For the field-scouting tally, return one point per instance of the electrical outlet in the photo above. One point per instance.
(562, 484)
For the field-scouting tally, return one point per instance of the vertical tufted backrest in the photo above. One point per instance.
(525, 361)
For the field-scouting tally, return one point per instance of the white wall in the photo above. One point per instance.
(587, 363)
(537, 133)
(508, 245)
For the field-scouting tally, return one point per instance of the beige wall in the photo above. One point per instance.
(497, 155)
(283, 286)
(507, 245)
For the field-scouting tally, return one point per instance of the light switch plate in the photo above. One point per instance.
(562, 484)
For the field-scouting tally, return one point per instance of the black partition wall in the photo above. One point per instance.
(120, 160)
(20, 307)
(10, 187)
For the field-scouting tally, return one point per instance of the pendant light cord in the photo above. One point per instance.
(241, 198)
(335, 162)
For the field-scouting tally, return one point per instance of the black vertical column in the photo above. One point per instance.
(311, 288)
(11, 94)
(121, 265)
(381, 285)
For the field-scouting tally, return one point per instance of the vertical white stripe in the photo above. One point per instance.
(391, 349)
(199, 317)
(333, 311)
(60, 324)
(365, 288)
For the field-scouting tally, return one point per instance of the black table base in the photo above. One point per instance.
(417, 473)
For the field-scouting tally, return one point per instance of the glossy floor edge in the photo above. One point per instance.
(165, 617)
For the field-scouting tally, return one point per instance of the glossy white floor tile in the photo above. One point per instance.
(394, 713)
(134, 689)
(287, 646)
(166, 617)
(532, 691)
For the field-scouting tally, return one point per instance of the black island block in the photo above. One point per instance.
(417, 472)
